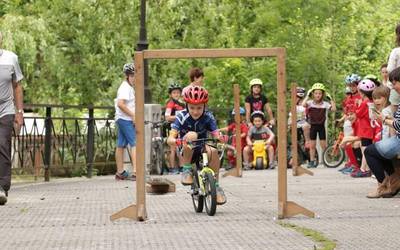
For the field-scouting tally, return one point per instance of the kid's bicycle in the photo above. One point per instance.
(203, 190)
(157, 155)
(334, 155)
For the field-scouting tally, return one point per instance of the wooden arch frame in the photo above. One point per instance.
(285, 208)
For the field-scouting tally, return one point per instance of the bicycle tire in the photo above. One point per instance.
(210, 199)
(197, 198)
(157, 158)
(333, 161)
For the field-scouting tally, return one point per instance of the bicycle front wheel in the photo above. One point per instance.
(210, 194)
(197, 197)
(333, 157)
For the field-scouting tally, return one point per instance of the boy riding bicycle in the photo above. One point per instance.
(191, 124)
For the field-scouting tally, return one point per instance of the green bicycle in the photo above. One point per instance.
(203, 189)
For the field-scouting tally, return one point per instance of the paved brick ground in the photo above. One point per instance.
(74, 214)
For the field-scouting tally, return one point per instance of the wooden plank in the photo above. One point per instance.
(139, 123)
(129, 212)
(212, 53)
(282, 133)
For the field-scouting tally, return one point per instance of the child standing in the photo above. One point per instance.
(317, 111)
(365, 130)
(171, 108)
(257, 101)
(232, 130)
(301, 116)
(259, 132)
(349, 107)
(196, 76)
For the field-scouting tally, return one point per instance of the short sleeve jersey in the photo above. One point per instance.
(125, 92)
(9, 72)
(174, 105)
(317, 112)
(262, 133)
(256, 103)
(349, 103)
(184, 123)
(243, 129)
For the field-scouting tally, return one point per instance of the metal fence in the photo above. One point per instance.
(65, 145)
(68, 145)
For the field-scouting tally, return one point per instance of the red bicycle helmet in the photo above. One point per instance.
(195, 95)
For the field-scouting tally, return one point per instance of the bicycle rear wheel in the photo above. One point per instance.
(210, 194)
(333, 157)
(197, 198)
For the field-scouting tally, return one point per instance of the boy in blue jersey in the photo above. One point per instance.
(194, 123)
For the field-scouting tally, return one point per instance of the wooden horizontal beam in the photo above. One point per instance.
(212, 53)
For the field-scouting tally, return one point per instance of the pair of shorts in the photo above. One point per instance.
(197, 151)
(366, 142)
(126, 133)
(317, 129)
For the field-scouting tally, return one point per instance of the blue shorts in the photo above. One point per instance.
(126, 133)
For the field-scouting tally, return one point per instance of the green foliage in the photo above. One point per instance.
(72, 52)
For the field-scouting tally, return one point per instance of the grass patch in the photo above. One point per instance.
(322, 243)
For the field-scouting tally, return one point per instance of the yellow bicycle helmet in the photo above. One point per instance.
(319, 86)
(255, 81)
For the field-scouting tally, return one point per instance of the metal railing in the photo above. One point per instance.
(64, 143)
(69, 145)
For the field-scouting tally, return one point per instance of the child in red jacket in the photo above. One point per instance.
(365, 130)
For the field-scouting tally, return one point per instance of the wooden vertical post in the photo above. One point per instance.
(237, 172)
(296, 169)
(285, 208)
(138, 211)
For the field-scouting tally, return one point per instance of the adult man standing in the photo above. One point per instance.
(125, 120)
(11, 111)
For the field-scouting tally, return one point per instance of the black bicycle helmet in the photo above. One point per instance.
(129, 68)
(300, 92)
(174, 86)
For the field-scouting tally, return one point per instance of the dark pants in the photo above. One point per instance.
(378, 164)
(6, 128)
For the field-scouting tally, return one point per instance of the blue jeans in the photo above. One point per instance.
(388, 148)
(126, 133)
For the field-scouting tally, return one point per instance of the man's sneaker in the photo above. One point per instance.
(174, 170)
(3, 196)
(221, 198)
(124, 176)
(187, 176)
(360, 174)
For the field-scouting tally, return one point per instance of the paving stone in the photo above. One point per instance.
(74, 214)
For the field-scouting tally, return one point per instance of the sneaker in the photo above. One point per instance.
(360, 174)
(349, 170)
(221, 198)
(124, 176)
(3, 196)
(312, 164)
(246, 166)
(346, 166)
(187, 176)
(273, 165)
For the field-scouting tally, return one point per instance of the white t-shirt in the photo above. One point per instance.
(125, 92)
(385, 128)
(394, 59)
